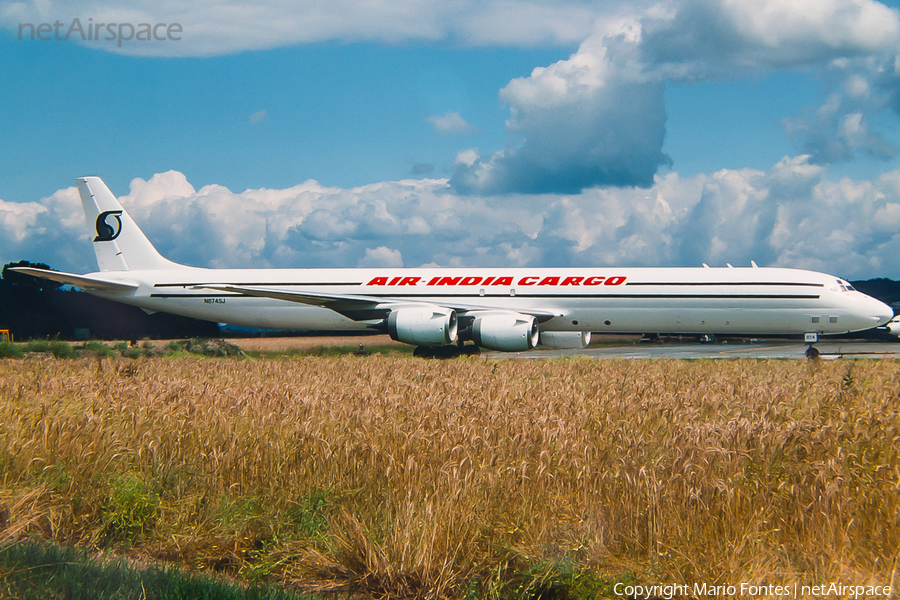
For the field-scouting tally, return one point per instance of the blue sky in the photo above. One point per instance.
(463, 133)
(343, 114)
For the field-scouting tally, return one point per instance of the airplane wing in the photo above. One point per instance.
(85, 283)
(361, 308)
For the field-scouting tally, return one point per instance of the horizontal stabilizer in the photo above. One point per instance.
(85, 283)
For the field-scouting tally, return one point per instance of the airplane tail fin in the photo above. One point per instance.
(119, 243)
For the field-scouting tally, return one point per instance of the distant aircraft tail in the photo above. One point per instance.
(119, 243)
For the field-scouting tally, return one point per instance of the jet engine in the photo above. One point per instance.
(422, 325)
(893, 326)
(506, 332)
(565, 339)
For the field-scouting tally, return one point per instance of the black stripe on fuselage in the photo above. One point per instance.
(287, 284)
(197, 296)
(601, 296)
(723, 283)
(629, 284)
(558, 296)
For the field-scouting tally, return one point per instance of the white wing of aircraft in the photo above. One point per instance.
(507, 309)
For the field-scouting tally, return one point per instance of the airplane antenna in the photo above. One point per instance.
(753, 264)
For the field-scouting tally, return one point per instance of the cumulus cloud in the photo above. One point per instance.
(311, 225)
(52, 231)
(614, 136)
(450, 123)
(381, 256)
(598, 118)
(695, 40)
(851, 43)
(838, 131)
(791, 215)
(583, 122)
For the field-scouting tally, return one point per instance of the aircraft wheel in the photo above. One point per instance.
(423, 352)
(446, 352)
(436, 352)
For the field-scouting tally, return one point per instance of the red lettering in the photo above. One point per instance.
(615, 281)
(378, 281)
(571, 281)
(449, 280)
(593, 280)
(409, 281)
(503, 281)
(487, 281)
(395, 280)
(433, 281)
(549, 281)
(527, 281)
(470, 280)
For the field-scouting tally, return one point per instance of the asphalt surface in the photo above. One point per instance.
(829, 350)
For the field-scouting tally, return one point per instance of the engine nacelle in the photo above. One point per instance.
(422, 325)
(506, 332)
(563, 340)
(893, 326)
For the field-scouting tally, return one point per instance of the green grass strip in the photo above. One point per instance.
(40, 571)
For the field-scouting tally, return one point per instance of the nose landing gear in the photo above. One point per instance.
(812, 353)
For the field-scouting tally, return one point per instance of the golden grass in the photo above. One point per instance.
(405, 478)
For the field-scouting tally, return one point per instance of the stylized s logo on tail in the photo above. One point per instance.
(105, 231)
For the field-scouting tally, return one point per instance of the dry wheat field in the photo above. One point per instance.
(401, 478)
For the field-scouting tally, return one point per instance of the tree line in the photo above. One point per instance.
(33, 308)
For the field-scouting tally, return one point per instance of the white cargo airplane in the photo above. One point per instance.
(506, 309)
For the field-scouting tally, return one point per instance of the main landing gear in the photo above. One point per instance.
(446, 351)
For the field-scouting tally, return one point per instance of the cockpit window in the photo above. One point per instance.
(843, 286)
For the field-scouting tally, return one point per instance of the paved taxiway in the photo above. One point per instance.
(732, 349)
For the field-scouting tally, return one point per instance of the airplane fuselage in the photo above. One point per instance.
(751, 301)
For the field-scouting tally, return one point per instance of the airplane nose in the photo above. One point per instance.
(883, 313)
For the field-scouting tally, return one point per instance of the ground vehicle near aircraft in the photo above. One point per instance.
(505, 309)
